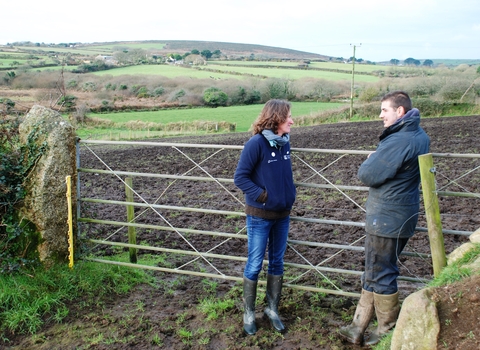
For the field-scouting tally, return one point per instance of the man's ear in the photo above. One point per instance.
(400, 111)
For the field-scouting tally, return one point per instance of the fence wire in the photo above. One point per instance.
(321, 193)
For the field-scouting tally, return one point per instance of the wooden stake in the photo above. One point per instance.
(432, 212)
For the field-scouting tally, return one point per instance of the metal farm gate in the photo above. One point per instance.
(176, 205)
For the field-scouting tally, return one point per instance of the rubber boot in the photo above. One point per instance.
(354, 332)
(249, 297)
(387, 308)
(274, 292)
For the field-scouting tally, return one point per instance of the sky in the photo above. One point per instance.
(377, 30)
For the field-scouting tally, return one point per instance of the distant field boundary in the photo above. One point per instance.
(348, 71)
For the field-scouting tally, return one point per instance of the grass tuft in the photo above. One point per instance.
(27, 300)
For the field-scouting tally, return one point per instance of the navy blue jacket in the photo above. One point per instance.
(393, 175)
(263, 167)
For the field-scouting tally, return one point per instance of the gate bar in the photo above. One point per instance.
(209, 179)
(239, 258)
(225, 277)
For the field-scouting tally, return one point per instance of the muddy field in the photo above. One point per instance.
(326, 224)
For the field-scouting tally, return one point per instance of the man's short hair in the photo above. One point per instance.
(397, 99)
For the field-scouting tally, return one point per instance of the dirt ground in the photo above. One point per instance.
(169, 315)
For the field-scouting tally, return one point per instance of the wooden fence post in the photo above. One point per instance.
(432, 212)
(132, 235)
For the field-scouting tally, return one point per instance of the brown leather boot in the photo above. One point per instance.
(354, 332)
(387, 307)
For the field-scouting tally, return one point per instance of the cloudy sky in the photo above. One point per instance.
(379, 29)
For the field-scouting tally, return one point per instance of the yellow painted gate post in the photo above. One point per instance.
(68, 180)
(132, 235)
(432, 212)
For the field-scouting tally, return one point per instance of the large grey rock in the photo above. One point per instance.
(46, 202)
(475, 236)
(418, 325)
(459, 252)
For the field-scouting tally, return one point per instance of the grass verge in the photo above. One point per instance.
(28, 299)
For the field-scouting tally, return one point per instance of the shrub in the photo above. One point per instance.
(67, 101)
(89, 86)
(134, 89)
(78, 117)
(9, 76)
(6, 105)
(72, 84)
(106, 106)
(158, 91)
(279, 88)
(453, 90)
(143, 92)
(110, 86)
(242, 96)
(322, 90)
(370, 94)
(176, 95)
(215, 97)
(253, 96)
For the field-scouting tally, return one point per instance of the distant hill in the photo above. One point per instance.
(454, 62)
(228, 49)
(443, 61)
(232, 50)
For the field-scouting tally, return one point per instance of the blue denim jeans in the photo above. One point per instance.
(381, 270)
(261, 232)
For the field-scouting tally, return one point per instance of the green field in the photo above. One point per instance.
(368, 68)
(8, 62)
(236, 72)
(166, 70)
(293, 74)
(84, 51)
(242, 116)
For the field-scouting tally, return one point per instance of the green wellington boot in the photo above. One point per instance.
(274, 292)
(249, 297)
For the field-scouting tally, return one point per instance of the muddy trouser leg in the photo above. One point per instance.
(380, 277)
(381, 270)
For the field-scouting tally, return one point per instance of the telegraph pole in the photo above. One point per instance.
(353, 80)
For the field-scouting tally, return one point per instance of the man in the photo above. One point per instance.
(392, 173)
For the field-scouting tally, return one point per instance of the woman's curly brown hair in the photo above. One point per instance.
(274, 113)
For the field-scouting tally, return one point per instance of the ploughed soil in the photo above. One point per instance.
(326, 224)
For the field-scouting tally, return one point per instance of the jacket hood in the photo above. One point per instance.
(410, 121)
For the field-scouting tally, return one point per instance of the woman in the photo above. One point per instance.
(264, 174)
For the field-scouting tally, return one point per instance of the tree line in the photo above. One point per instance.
(412, 62)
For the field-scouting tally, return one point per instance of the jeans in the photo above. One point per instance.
(381, 270)
(261, 232)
